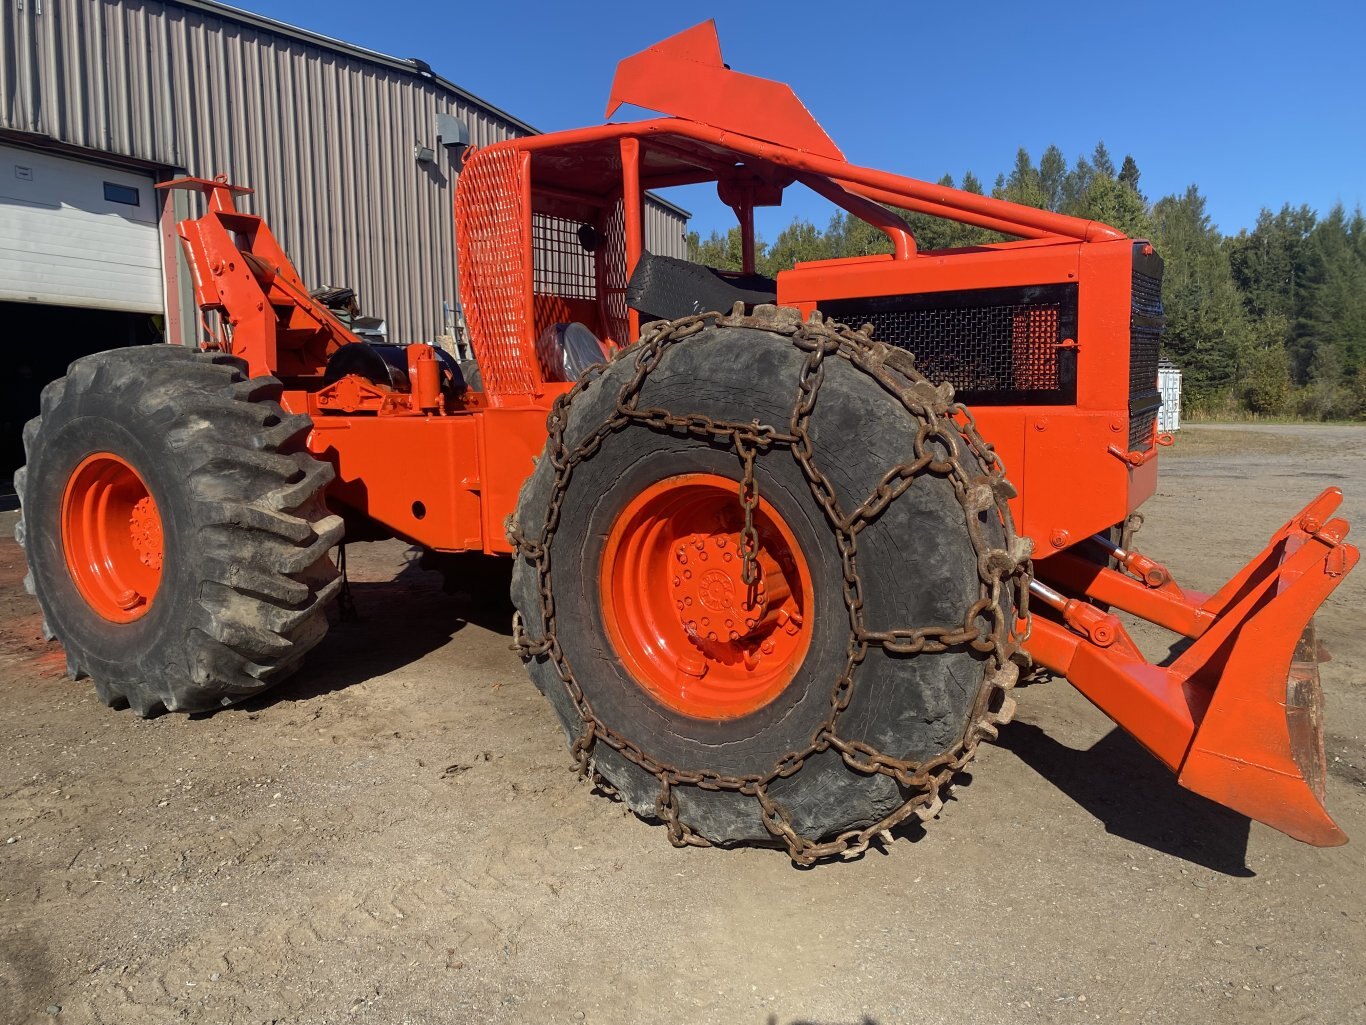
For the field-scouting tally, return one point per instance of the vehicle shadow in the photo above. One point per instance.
(1136, 798)
(396, 622)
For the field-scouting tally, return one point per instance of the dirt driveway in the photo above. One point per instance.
(394, 836)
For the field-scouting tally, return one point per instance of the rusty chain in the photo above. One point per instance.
(749, 501)
(989, 627)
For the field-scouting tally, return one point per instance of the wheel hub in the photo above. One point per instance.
(687, 627)
(714, 603)
(145, 528)
(112, 537)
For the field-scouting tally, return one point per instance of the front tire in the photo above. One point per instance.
(174, 527)
(903, 605)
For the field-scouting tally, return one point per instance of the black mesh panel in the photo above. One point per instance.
(1146, 322)
(995, 346)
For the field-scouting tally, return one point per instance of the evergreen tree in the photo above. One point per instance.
(1270, 263)
(1129, 174)
(1023, 185)
(1206, 330)
(1110, 201)
(1100, 160)
(1331, 312)
(1052, 175)
(1076, 183)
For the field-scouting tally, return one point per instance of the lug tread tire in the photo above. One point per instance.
(254, 569)
(916, 562)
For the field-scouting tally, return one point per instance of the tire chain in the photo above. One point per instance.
(987, 628)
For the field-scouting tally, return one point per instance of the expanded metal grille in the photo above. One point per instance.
(993, 346)
(612, 274)
(491, 228)
(1145, 340)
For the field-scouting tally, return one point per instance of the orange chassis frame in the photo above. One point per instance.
(1237, 714)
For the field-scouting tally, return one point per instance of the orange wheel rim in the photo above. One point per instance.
(112, 537)
(687, 628)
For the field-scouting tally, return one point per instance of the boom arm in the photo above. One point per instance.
(241, 272)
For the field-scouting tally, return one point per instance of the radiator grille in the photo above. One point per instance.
(1141, 430)
(1146, 322)
(1147, 294)
(995, 346)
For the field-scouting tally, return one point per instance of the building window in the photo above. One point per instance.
(125, 194)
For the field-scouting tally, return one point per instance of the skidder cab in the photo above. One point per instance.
(772, 557)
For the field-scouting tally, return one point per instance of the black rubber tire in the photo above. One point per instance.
(916, 560)
(247, 571)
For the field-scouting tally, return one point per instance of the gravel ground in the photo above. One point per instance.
(395, 836)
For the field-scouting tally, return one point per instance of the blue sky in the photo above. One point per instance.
(1259, 103)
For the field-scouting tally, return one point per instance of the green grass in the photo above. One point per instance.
(1196, 416)
(1210, 440)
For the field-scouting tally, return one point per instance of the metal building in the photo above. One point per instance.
(102, 99)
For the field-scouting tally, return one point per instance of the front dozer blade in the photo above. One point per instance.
(1238, 715)
(1259, 747)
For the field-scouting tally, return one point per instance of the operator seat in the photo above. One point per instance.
(665, 288)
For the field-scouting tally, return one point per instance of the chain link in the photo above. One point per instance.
(991, 625)
(749, 501)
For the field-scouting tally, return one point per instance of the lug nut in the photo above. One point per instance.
(694, 667)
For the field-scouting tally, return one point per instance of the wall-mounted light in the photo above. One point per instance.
(424, 154)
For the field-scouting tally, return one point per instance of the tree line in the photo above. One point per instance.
(1270, 321)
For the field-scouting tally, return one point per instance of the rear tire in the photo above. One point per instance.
(916, 560)
(240, 573)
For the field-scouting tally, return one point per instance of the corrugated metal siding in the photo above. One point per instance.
(325, 137)
(664, 232)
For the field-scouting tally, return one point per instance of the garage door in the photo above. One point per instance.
(77, 234)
